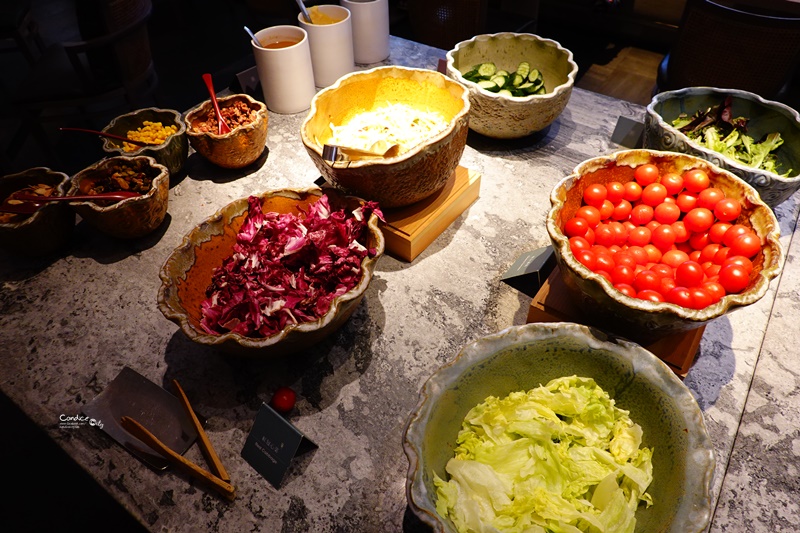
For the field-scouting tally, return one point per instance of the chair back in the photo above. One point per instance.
(444, 23)
(718, 46)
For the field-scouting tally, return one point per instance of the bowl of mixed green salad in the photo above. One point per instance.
(756, 139)
(558, 427)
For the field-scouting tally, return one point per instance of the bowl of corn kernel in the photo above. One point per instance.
(162, 129)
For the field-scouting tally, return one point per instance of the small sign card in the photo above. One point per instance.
(272, 444)
(530, 270)
(628, 133)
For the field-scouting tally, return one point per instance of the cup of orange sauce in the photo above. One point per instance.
(283, 62)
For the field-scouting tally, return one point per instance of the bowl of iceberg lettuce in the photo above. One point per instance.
(558, 427)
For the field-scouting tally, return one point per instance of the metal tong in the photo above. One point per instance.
(219, 480)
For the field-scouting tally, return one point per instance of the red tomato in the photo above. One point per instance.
(578, 243)
(717, 231)
(674, 258)
(603, 261)
(710, 197)
(689, 274)
(652, 225)
(603, 273)
(650, 295)
(673, 182)
(722, 254)
(654, 194)
(633, 191)
(646, 174)
(698, 241)
(591, 214)
(595, 194)
(709, 251)
(283, 400)
(629, 225)
(733, 233)
(679, 296)
(641, 214)
(586, 258)
(606, 210)
(734, 278)
(739, 260)
(653, 253)
(663, 237)
(622, 210)
(667, 213)
(666, 284)
(681, 233)
(625, 258)
(639, 236)
(712, 271)
(686, 201)
(576, 227)
(620, 232)
(589, 235)
(638, 254)
(698, 219)
(695, 180)
(615, 191)
(604, 235)
(623, 274)
(728, 209)
(700, 298)
(694, 255)
(647, 280)
(747, 244)
(665, 271)
(715, 290)
(626, 289)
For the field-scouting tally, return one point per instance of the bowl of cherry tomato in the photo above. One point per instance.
(653, 243)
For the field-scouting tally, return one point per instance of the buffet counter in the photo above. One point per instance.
(69, 325)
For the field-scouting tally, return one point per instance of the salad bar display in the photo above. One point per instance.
(332, 377)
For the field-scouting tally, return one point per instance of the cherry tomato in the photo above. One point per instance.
(576, 227)
(589, 235)
(590, 214)
(733, 233)
(695, 180)
(626, 289)
(666, 284)
(734, 278)
(710, 197)
(646, 174)
(673, 182)
(652, 225)
(717, 231)
(639, 236)
(604, 235)
(650, 295)
(578, 243)
(638, 254)
(615, 191)
(653, 194)
(623, 274)
(595, 194)
(674, 258)
(679, 296)
(715, 290)
(603, 273)
(728, 209)
(694, 255)
(283, 400)
(698, 241)
(653, 253)
(748, 244)
(667, 213)
(665, 271)
(663, 237)
(698, 219)
(689, 274)
(712, 271)
(633, 191)
(686, 201)
(647, 280)
(700, 298)
(641, 214)
(739, 260)
(722, 254)
(709, 251)
(681, 233)
(606, 210)
(622, 210)
(586, 258)
(603, 261)
(624, 258)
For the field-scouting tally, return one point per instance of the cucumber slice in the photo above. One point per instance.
(503, 73)
(489, 85)
(523, 69)
(501, 81)
(517, 79)
(535, 76)
(487, 70)
(505, 92)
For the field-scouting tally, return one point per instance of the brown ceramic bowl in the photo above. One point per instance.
(418, 171)
(45, 231)
(125, 219)
(238, 148)
(644, 320)
(172, 153)
(188, 271)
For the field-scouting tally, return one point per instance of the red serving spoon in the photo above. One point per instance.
(27, 204)
(223, 126)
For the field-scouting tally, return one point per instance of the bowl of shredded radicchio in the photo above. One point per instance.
(274, 273)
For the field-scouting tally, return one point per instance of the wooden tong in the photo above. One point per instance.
(219, 480)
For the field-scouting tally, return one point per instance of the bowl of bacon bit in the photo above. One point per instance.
(247, 119)
(43, 231)
(129, 218)
(273, 273)
(400, 131)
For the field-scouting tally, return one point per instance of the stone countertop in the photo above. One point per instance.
(69, 324)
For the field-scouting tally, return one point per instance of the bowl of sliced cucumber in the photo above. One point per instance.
(518, 83)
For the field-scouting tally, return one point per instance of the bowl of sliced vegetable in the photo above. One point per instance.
(756, 139)
(557, 427)
(273, 273)
(518, 83)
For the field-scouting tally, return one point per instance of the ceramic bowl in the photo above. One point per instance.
(764, 117)
(172, 153)
(243, 145)
(124, 219)
(506, 117)
(187, 273)
(521, 358)
(417, 172)
(644, 320)
(47, 230)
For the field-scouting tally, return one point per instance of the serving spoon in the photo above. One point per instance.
(333, 152)
(222, 127)
(111, 136)
(26, 204)
(306, 14)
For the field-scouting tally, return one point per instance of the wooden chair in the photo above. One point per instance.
(719, 46)
(443, 23)
(18, 26)
(81, 81)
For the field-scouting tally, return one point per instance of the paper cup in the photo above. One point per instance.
(331, 44)
(370, 29)
(283, 61)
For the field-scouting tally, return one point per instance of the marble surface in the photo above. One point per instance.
(69, 324)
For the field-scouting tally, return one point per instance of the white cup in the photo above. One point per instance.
(370, 29)
(331, 44)
(285, 71)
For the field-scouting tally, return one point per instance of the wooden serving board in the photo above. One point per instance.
(409, 230)
(553, 304)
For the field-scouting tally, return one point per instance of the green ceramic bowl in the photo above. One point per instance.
(524, 357)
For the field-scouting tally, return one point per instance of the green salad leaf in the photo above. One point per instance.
(560, 458)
